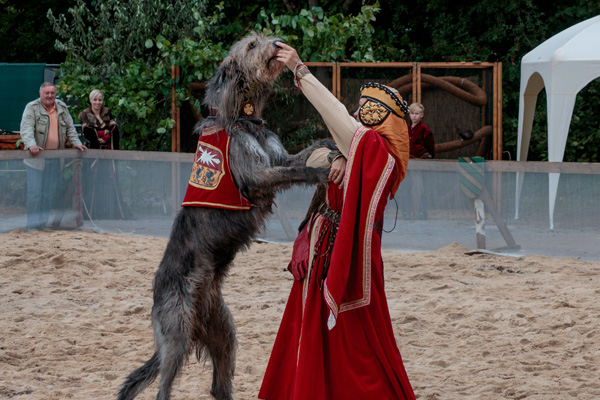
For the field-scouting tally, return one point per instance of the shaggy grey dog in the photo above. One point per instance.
(189, 313)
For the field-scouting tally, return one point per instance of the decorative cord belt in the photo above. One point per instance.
(330, 225)
(331, 215)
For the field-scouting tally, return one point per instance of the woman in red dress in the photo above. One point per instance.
(336, 339)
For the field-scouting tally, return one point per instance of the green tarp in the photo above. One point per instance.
(19, 84)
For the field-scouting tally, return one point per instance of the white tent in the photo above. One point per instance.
(564, 64)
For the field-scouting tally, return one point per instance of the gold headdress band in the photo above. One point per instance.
(381, 100)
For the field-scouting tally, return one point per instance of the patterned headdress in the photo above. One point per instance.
(381, 101)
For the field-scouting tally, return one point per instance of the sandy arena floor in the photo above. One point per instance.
(75, 319)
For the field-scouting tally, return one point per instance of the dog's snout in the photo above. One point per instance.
(277, 41)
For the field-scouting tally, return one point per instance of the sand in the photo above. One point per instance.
(75, 319)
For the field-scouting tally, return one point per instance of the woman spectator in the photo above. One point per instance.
(98, 125)
(102, 194)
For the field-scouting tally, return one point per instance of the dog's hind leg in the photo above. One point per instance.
(173, 354)
(173, 346)
(221, 346)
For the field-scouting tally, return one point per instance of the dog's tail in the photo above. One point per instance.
(140, 379)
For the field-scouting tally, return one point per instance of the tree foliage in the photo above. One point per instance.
(505, 31)
(324, 38)
(127, 48)
(26, 36)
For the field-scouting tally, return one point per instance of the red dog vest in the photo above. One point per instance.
(211, 183)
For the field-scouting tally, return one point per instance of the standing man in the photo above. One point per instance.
(46, 124)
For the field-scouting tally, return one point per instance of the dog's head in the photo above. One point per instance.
(246, 75)
(255, 56)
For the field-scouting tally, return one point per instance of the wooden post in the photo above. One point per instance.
(495, 111)
(336, 81)
(175, 146)
(175, 115)
(414, 83)
(418, 100)
(483, 85)
(498, 89)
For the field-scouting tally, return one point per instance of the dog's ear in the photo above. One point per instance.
(226, 73)
(227, 85)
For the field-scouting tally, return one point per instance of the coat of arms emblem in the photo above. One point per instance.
(207, 170)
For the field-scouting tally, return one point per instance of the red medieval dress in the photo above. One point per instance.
(336, 339)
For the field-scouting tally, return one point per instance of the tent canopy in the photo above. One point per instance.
(564, 64)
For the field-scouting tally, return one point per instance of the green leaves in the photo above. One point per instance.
(127, 49)
(324, 38)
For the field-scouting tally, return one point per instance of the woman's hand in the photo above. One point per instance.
(338, 169)
(287, 55)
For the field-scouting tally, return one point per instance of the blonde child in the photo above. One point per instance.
(422, 144)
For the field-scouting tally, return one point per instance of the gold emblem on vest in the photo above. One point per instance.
(207, 170)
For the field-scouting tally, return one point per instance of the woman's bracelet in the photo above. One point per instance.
(300, 71)
(333, 155)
